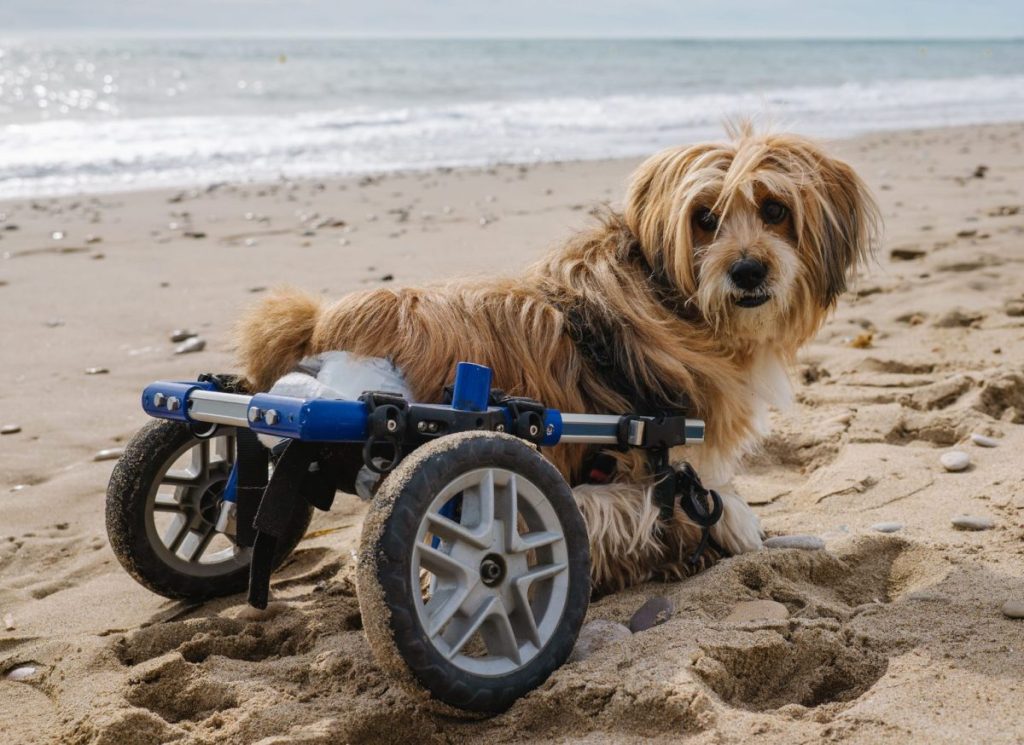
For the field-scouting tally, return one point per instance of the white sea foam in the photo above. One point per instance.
(104, 154)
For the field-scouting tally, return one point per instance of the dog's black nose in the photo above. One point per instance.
(748, 274)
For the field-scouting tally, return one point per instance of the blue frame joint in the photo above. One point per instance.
(472, 387)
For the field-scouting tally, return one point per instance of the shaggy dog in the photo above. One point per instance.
(726, 259)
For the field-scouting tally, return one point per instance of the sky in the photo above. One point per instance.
(526, 18)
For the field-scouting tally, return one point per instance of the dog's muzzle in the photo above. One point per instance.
(748, 275)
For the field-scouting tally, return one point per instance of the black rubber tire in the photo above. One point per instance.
(385, 588)
(146, 457)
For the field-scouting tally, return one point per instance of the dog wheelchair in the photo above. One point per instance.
(473, 568)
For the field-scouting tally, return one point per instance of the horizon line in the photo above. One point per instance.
(381, 36)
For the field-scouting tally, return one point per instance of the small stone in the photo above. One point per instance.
(54, 323)
(193, 344)
(21, 673)
(971, 522)
(757, 610)
(197, 234)
(57, 235)
(802, 542)
(596, 635)
(653, 613)
(96, 371)
(955, 460)
(10, 429)
(1013, 609)
(887, 527)
(983, 441)
(182, 334)
(108, 454)
(387, 278)
(8, 621)
(92, 239)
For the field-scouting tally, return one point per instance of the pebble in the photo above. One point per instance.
(955, 460)
(1013, 609)
(93, 239)
(10, 429)
(182, 334)
(57, 235)
(21, 673)
(653, 613)
(757, 610)
(983, 441)
(970, 522)
(54, 323)
(193, 344)
(887, 527)
(802, 542)
(596, 635)
(8, 622)
(96, 370)
(108, 454)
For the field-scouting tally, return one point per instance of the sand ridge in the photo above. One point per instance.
(890, 637)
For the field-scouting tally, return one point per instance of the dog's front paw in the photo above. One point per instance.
(739, 530)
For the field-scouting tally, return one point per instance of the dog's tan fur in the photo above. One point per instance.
(729, 361)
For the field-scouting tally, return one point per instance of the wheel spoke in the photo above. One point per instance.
(182, 477)
(167, 503)
(507, 510)
(537, 539)
(438, 562)
(464, 631)
(443, 607)
(451, 531)
(193, 545)
(478, 506)
(176, 531)
(498, 635)
(521, 589)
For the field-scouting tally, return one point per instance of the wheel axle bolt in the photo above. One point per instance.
(271, 417)
(159, 399)
(492, 570)
(550, 430)
(173, 403)
(392, 425)
(534, 430)
(254, 413)
(421, 426)
(500, 428)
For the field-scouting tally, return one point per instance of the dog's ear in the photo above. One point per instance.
(847, 227)
(655, 211)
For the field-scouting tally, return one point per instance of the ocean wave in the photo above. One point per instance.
(64, 156)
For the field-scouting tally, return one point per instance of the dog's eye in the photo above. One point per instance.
(773, 212)
(705, 219)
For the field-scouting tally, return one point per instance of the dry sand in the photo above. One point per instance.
(890, 637)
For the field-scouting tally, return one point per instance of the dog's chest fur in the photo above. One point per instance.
(768, 386)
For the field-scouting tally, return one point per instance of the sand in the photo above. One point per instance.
(890, 637)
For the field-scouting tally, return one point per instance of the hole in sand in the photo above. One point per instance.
(808, 666)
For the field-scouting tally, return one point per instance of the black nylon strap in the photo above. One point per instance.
(274, 515)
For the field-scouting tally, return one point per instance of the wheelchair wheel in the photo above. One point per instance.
(163, 502)
(473, 575)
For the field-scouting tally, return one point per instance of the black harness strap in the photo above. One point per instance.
(600, 341)
(274, 515)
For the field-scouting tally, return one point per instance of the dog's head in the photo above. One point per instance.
(761, 234)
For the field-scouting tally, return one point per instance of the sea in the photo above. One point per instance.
(103, 114)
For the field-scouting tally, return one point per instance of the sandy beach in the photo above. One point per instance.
(880, 637)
